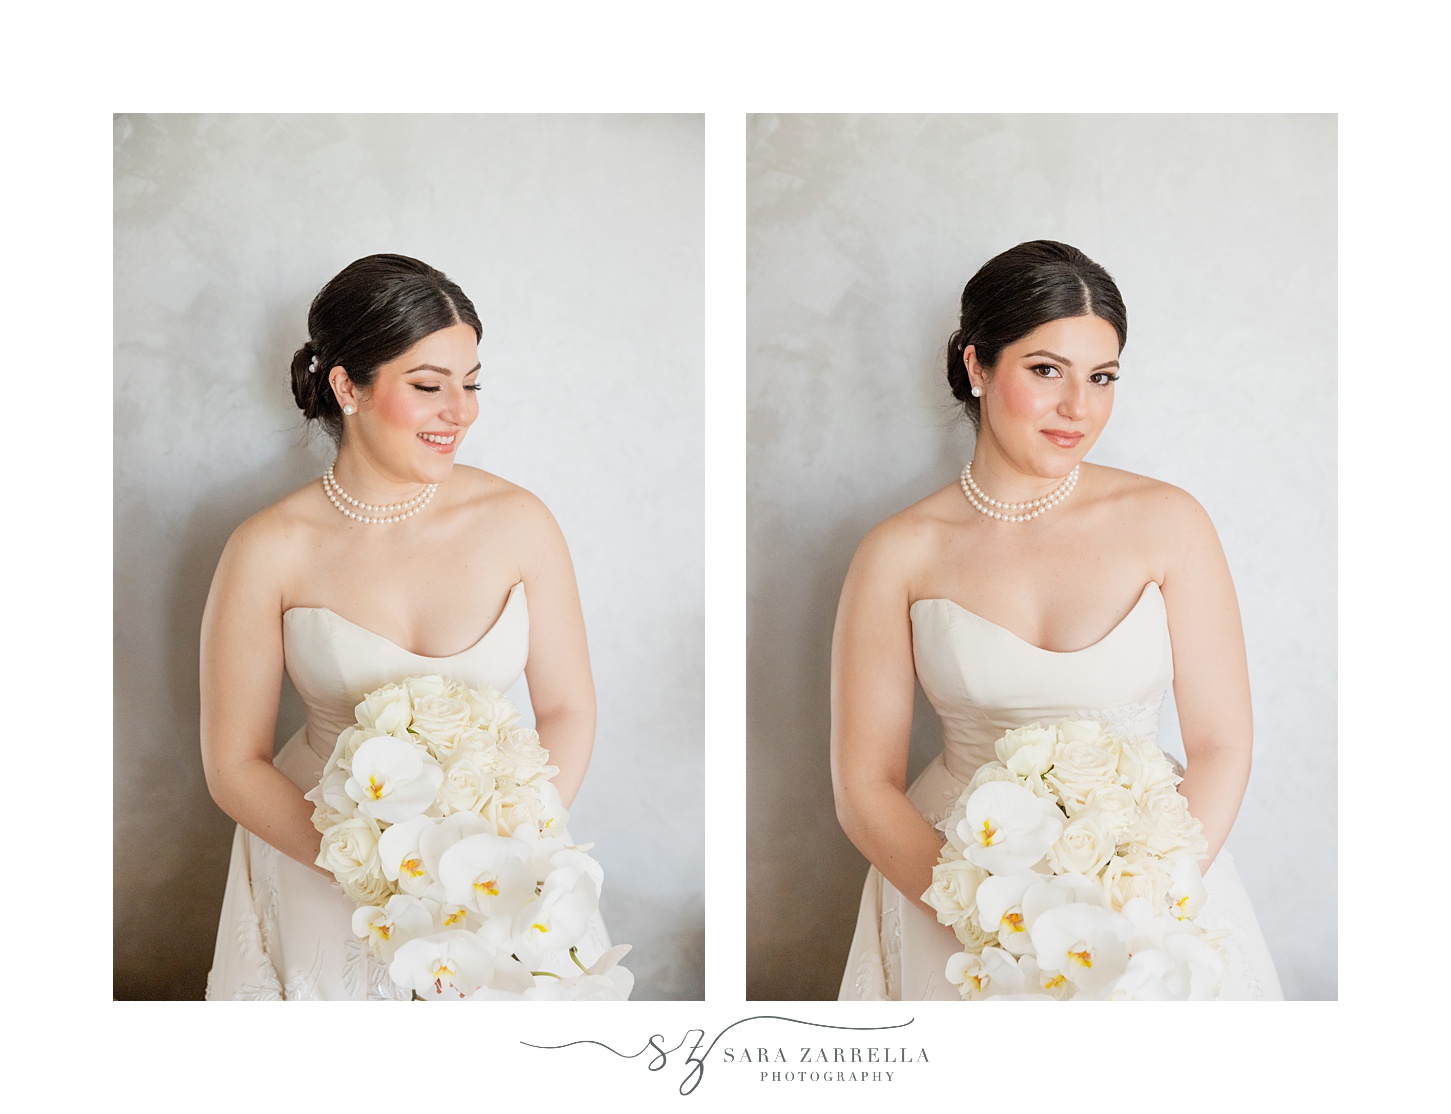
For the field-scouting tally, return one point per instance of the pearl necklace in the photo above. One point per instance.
(406, 509)
(1028, 510)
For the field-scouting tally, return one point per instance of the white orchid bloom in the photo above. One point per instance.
(1186, 889)
(446, 965)
(602, 981)
(1005, 827)
(1151, 976)
(512, 982)
(393, 780)
(441, 836)
(988, 975)
(487, 873)
(1088, 944)
(1039, 983)
(1000, 908)
(557, 918)
(388, 927)
(1203, 962)
(402, 858)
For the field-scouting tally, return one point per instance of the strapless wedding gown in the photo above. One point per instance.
(982, 679)
(286, 931)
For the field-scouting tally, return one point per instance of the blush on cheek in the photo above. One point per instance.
(1018, 396)
(396, 408)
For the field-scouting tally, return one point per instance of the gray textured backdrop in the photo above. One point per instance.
(580, 241)
(1220, 231)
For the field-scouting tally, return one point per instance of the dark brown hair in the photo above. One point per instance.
(373, 310)
(1021, 290)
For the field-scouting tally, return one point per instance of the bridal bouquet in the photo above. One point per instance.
(438, 817)
(1071, 871)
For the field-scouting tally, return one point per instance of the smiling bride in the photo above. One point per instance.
(1034, 588)
(396, 562)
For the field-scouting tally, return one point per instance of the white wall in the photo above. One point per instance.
(1220, 231)
(580, 241)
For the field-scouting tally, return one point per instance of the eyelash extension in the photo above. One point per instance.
(1108, 377)
(435, 390)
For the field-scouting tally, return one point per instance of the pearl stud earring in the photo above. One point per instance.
(348, 410)
(976, 391)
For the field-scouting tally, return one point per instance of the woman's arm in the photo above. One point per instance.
(1211, 675)
(241, 680)
(561, 687)
(871, 718)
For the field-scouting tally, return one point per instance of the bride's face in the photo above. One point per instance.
(1050, 395)
(413, 418)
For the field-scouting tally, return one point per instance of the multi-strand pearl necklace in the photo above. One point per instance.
(1015, 512)
(378, 513)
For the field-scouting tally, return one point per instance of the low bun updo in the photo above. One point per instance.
(372, 311)
(1021, 290)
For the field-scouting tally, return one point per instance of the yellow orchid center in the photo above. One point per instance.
(1056, 980)
(376, 788)
(1014, 922)
(540, 927)
(412, 867)
(488, 886)
(454, 917)
(988, 833)
(1083, 958)
(380, 930)
(978, 981)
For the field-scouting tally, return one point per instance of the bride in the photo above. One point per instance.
(397, 562)
(1037, 587)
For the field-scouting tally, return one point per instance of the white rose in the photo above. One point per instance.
(1084, 847)
(1144, 769)
(466, 785)
(482, 746)
(1135, 875)
(1085, 731)
(1165, 827)
(1028, 750)
(350, 849)
(433, 685)
(1115, 806)
(522, 757)
(517, 808)
(386, 710)
(1084, 761)
(490, 709)
(439, 720)
(954, 889)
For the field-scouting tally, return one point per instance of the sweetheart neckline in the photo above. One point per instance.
(1143, 595)
(517, 589)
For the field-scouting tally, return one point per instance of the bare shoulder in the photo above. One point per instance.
(504, 502)
(1171, 522)
(270, 543)
(1146, 497)
(897, 548)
